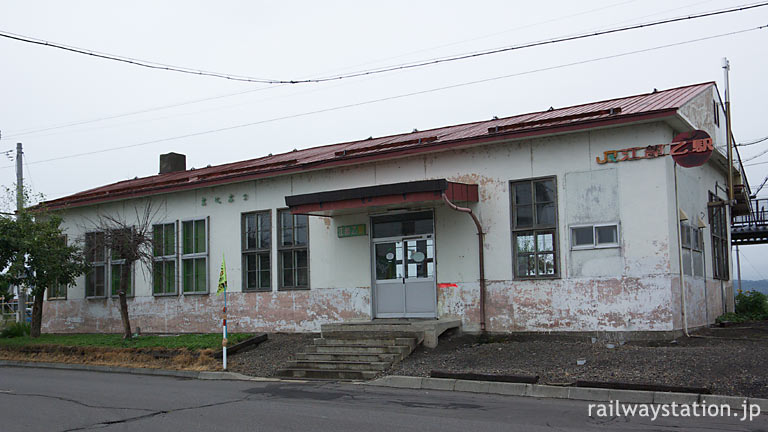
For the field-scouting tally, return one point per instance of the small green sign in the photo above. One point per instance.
(351, 230)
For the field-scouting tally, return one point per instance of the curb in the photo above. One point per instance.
(203, 375)
(559, 392)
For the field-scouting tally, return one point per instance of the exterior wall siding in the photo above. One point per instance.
(633, 287)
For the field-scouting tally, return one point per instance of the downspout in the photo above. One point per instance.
(680, 255)
(480, 255)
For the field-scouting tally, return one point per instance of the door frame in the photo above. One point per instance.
(372, 252)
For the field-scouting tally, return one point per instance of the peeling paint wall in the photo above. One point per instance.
(627, 288)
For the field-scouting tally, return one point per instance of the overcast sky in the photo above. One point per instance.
(44, 88)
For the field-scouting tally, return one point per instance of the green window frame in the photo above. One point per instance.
(164, 259)
(293, 250)
(58, 291)
(534, 228)
(96, 255)
(194, 256)
(256, 241)
(116, 264)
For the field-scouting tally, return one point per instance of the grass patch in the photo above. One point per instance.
(189, 341)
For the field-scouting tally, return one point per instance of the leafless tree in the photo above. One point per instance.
(127, 242)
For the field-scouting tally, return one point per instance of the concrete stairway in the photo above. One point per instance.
(351, 355)
(357, 351)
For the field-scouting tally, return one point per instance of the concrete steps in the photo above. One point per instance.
(362, 350)
(355, 355)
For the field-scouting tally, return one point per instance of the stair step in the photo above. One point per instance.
(371, 334)
(328, 374)
(409, 342)
(348, 356)
(359, 349)
(338, 365)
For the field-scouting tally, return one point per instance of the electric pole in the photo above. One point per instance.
(21, 310)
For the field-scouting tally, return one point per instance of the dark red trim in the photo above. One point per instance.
(357, 159)
(454, 191)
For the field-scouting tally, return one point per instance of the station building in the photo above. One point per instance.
(587, 225)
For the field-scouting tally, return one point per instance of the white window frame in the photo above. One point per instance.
(166, 258)
(594, 244)
(193, 256)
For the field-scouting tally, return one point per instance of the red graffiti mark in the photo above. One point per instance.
(447, 285)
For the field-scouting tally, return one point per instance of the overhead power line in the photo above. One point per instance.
(749, 143)
(400, 96)
(418, 64)
(29, 131)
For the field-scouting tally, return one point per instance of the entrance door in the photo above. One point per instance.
(404, 266)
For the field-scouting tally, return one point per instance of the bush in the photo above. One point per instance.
(753, 304)
(750, 306)
(15, 330)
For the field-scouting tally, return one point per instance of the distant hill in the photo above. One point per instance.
(752, 285)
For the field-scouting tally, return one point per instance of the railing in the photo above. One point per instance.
(758, 215)
(8, 310)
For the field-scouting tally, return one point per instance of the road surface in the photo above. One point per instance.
(62, 400)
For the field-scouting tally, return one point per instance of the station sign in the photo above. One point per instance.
(688, 149)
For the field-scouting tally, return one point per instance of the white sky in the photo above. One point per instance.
(43, 87)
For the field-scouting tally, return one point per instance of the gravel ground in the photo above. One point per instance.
(728, 361)
(270, 356)
(725, 366)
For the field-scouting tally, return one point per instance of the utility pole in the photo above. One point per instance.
(21, 309)
(726, 69)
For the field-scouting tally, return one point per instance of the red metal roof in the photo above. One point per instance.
(614, 111)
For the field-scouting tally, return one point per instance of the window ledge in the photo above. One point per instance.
(96, 298)
(56, 299)
(257, 290)
(535, 278)
(294, 289)
(196, 293)
(165, 295)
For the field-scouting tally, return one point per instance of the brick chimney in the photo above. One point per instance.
(172, 162)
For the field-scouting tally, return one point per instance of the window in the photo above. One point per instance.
(693, 250)
(117, 266)
(58, 291)
(595, 236)
(534, 228)
(716, 110)
(194, 256)
(164, 259)
(95, 254)
(293, 239)
(256, 244)
(719, 227)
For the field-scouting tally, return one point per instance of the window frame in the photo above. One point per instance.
(167, 258)
(245, 252)
(195, 255)
(103, 264)
(595, 244)
(535, 229)
(293, 248)
(58, 288)
(719, 240)
(113, 262)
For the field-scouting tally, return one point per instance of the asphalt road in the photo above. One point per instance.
(60, 400)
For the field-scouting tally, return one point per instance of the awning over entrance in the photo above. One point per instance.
(387, 195)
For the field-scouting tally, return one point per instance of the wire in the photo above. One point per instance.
(761, 185)
(751, 265)
(755, 156)
(749, 143)
(400, 96)
(161, 66)
(29, 131)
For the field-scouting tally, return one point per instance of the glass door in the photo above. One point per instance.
(404, 266)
